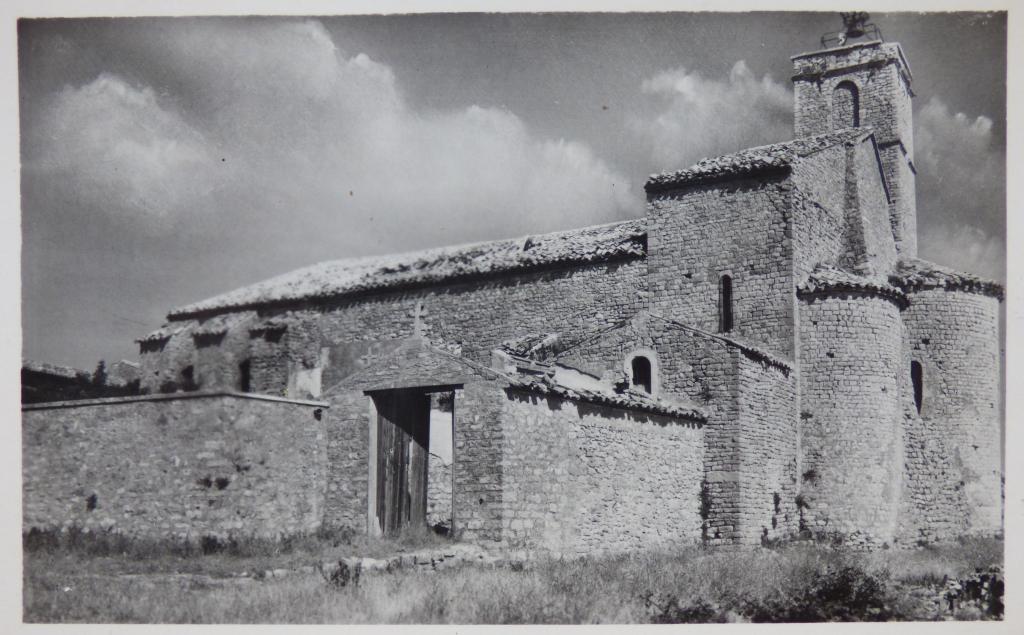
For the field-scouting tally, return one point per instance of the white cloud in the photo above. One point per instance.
(113, 144)
(960, 190)
(690, 117)
(264, 120)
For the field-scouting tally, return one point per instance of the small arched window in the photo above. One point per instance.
(641, 374)
(917, 379)
(725, 304)
(845, 106)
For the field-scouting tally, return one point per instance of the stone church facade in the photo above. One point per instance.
(762, 357)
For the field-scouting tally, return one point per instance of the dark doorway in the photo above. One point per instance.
(642, 373)
(403, 442)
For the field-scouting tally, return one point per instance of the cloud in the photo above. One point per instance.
(961, 188)
(689, 117)
(113, 145)
(272, 123)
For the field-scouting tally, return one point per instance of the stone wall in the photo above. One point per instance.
(751, 431)
(767, 426)
(342, 336)
(176, 466)
(347, 423)
(819, 211)
(872, 207)
(882, 77)
(851, 429)
(584, 479)
(955, 337)
(739, 228)
(841, 212)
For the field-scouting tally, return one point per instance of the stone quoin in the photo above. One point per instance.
(762, 357)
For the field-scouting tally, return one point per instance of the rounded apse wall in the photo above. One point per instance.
(851, 440)
(954, 336)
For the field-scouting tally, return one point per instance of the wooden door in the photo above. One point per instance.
(403, 442)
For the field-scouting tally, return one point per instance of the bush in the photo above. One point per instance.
(846, 593)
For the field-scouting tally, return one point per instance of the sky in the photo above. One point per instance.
(166, 160)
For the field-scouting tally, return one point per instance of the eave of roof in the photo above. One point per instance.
(601, 243)
(55, 370)
(773, 159)
(827, 279)
(915, 274)
(545, 385)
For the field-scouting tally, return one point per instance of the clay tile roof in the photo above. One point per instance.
(748, 348)
(344, 277)
(220, 324)
(545, 385)
(165, 332)
(770, 158)
(53, 369)
(532, 346)
(826, 278)
(269, 324)
(914, 274)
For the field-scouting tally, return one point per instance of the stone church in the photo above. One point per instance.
(762, 357)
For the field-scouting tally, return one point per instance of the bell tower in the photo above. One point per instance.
(864, 84)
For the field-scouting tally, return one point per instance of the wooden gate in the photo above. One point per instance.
(403, 445)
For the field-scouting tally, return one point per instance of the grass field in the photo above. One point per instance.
(84, 580)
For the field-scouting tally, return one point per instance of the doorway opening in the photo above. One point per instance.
(414, 475)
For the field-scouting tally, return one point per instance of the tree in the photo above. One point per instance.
(99, 376)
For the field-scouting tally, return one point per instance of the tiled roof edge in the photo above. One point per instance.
(615, 401)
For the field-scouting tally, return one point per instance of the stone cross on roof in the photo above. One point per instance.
(419, 328)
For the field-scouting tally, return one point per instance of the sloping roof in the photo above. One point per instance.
(524, 379)
(533, 345)
(826, 278)
(67, 372)
(354, 275)
(220, 324)
(751, 350)
(769, 158)
(165, 332)
(914, 274)
(546, 385)
(560, 348)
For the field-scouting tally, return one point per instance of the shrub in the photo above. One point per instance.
(845, 593)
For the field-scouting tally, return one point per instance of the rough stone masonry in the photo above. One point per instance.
(762, 357)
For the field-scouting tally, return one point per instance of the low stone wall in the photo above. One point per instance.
(177, 466)
(580, 479)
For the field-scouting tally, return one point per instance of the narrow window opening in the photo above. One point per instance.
(245, 376)
(642, 373)
(917, 378)
(188, 379)
(725, 302)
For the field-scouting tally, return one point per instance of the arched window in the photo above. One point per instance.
(641, 373)
(917, 378)
(845, 106)
(725, 304)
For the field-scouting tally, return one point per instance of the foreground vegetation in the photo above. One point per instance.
(83, 580)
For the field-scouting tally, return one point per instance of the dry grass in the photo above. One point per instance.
(61, 586)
